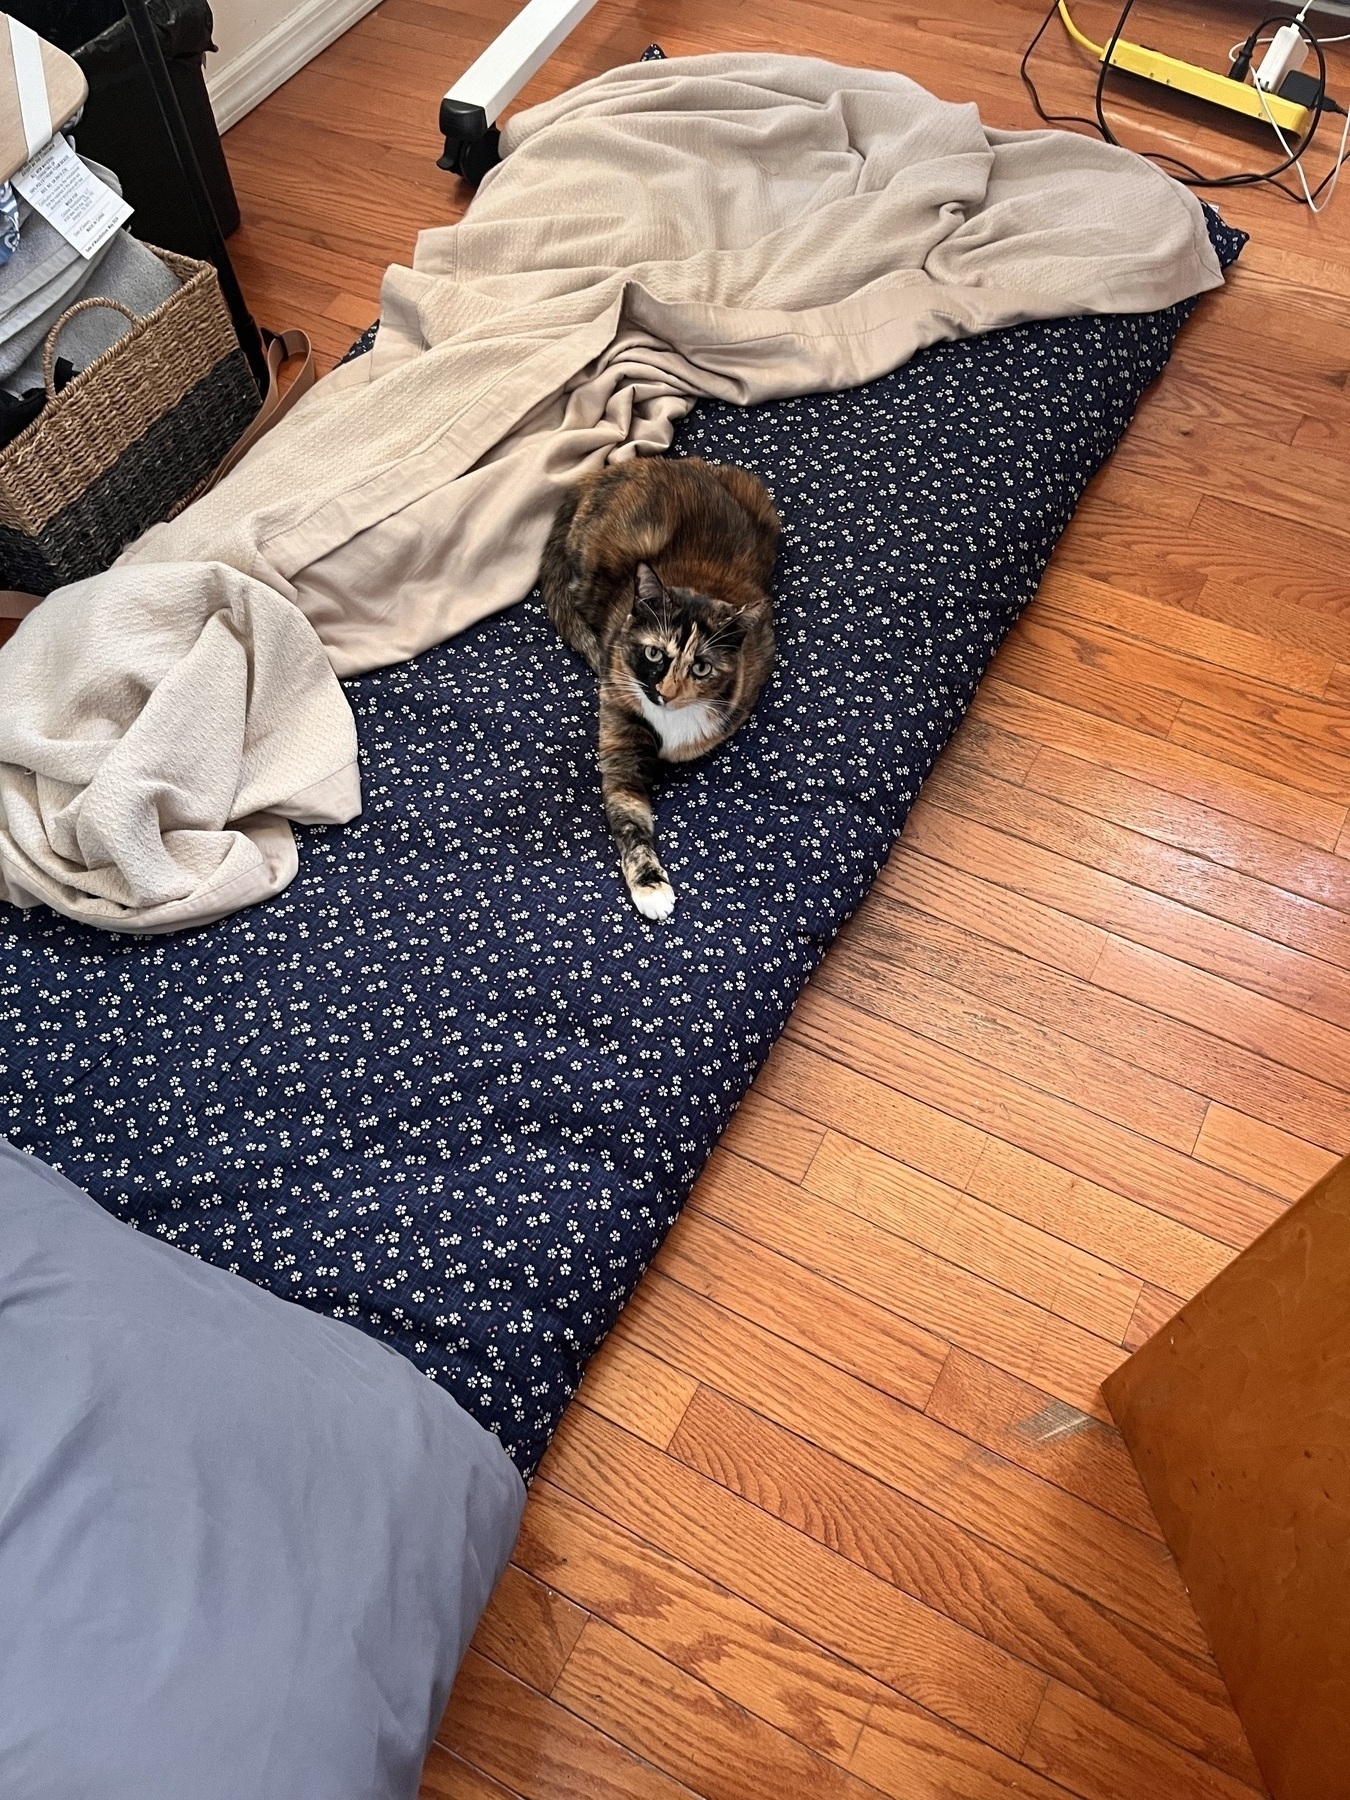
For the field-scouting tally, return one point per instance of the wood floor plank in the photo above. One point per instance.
(1031, 1615)
(685, 1727)
(1125, 1570)
(447, 1777)
(1005, 1038)
(1213, 386)
(1283, 620)
(1101, 1757)
(1133, 1237)
(1300, 564)
(1277, 861)
(812, 1591)
(929, 1138)
(538, 1749)
(1167, 984)
(1000, 752)
(1154, 1310)
(646, 1397)
(1063, 1446)
(1142, 914)
(875, 1052)
(884, 943)
(775, 1136)
(880, 1266)
(1149, 863)
(1020, 663)
(1218, 644)
(1173, 546)
(957, 1227)
(1276, 804)
(1058, 640)
(839, 1325)
(1001, 916)
(744, 1655)
(1269, 752)
(1276, 1159)
(1234, 464)
(528, 1629)
(905, 1753)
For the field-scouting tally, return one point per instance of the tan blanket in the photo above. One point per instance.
(741, 227)
(158, 727)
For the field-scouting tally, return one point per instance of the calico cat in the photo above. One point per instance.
(658, 573)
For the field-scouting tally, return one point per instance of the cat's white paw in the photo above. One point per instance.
(654, 902)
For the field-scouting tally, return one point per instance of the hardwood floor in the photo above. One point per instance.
(838, 1511)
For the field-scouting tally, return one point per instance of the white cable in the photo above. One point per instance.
(1237, 49)
(1298, 161)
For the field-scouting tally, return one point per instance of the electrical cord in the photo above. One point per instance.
(1025, 72)
(1310, 196)
(1188, 175)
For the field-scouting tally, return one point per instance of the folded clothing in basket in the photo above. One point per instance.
(43, 276)
(129, 273)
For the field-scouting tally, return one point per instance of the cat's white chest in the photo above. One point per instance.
(680, 728)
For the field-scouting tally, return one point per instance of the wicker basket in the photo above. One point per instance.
(127, 442)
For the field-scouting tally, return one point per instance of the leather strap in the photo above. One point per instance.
(283, 347)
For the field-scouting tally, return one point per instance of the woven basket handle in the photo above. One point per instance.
(49, 349)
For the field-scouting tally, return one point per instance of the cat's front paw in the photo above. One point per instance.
(654, 900)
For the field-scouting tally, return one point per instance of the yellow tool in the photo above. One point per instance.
(1190, 78)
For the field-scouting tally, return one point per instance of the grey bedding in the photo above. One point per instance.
(242, 1547)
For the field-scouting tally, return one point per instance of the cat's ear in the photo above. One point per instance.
(648, 589)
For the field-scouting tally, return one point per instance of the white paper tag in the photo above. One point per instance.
(78, 204)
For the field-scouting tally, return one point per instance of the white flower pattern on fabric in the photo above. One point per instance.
(448, 1085)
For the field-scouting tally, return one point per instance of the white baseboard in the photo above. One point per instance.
(255, 73)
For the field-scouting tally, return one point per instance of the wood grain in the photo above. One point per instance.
(833, 1513)
(848, 1611)
(721, 1750)
(1153, 1311)
(738, 1650)
(1023, 1425)
(646, 1397)
(1029, 1614)
(889, 943)
(878, 1264)
(538, 1749)
(881, 1058)
(964, 1230)
(918, 1456)
(528, 1629)
(1100, 1756)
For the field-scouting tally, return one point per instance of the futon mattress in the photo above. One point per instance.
(449, 1086)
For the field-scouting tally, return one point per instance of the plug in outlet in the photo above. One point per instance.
(1288, 51)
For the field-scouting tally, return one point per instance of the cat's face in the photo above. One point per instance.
(683, 648)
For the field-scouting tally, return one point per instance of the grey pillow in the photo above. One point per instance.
(242, 1547)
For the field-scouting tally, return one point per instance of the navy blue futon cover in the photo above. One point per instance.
(449, 1086)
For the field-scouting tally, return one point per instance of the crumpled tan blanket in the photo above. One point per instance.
(734, 226)
(158, 728)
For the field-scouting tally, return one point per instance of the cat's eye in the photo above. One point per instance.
(652, 653)
(702, 670)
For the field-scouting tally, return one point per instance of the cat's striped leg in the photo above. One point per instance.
(627, 753)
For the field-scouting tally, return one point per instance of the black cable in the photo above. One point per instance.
(1189, 176)
(1193, 177)
(1030, 85)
